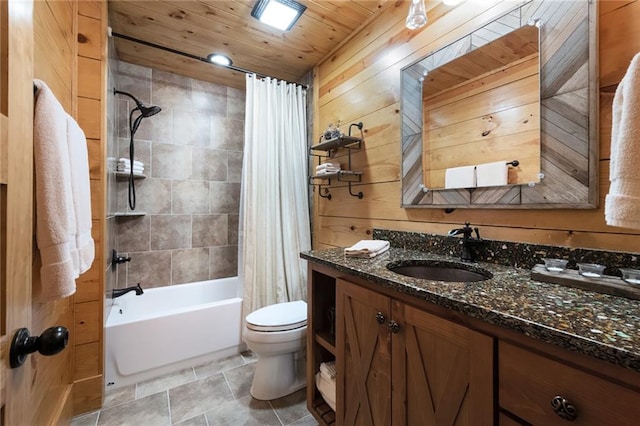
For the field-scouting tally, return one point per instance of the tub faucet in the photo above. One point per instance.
(117, 292)
(468, 242)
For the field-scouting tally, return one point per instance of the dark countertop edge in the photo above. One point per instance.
(572, 342)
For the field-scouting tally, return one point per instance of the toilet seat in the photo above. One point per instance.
(278, 317)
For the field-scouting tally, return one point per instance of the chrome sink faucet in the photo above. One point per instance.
(468, 242)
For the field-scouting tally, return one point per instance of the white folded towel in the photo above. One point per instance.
(127, 162)
(328, 166)
(127, 169)
(326, 172)
(367, 248)
(327, 389)
(328, 370)
(492, 174)
(622, 203)
(460, 177)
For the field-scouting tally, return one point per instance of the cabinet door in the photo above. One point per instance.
(443, 372)
(363, 356)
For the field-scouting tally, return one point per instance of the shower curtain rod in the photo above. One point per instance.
(198, 58)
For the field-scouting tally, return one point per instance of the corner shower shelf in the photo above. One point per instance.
(330, 147)
(129, 214)
(125, 175)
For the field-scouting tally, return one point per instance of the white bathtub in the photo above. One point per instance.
(170, 328)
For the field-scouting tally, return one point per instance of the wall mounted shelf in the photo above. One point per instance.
(329, 147)
(129, 214)
(125, 175)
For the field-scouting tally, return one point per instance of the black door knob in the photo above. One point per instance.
(52, 341)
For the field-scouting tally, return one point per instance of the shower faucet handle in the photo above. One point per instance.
(116, 259)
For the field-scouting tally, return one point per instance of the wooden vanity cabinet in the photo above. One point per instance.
(401, 362)
(531, 385)
(400, 365)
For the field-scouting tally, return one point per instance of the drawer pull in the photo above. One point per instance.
(565, 409)
(380, 318)
(394, 326)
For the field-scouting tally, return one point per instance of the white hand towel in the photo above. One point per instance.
(367, 248)
(56, 224)
(81, 188)
(492, 174)
(622, 203)
(460, 177)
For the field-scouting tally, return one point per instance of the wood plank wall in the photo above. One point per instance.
(88, 346)
(360, 81)
(54, 63)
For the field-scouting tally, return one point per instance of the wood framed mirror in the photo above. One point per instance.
(490, 97)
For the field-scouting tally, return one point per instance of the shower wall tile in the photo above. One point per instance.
(190, 197)
(171, 161)
(227, 134)
(224, 197)
(236, 103)
(135, 79)
(191, 127)
(189, 265)
(211, 164)
(224, 262)
(157, 127)
(171, 90)
(153, 196)
(232, 225)
(234, 164)
(122, 111)
(209, 230)
(210, 97)
(170, 232)
(192, 151)
(134, 234)
(150, 269)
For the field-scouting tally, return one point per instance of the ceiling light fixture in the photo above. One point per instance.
(280, 14)
(417, 16)
(220, 59)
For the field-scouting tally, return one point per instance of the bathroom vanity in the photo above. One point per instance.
(507, 350)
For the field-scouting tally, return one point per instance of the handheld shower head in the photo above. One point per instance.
(149, 111)
(144, 110)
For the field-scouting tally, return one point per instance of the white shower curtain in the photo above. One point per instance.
(274, 213)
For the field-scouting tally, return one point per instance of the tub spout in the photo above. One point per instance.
(117, 292)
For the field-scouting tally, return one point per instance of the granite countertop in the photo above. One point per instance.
(603, 326)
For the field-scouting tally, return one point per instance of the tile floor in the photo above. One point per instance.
(216, 393)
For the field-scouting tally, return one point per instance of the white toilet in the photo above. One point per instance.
(277, 334)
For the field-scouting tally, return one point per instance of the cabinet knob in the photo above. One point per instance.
(380, 318)
(394, 326)
(564, 408)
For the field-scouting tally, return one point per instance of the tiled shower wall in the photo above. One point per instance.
(192, 153)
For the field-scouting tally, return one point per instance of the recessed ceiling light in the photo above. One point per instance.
(280, 14)
(219, 59)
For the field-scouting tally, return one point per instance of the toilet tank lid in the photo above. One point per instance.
(279, 314)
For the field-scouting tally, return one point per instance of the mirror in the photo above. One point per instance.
(511, 106)
(484, 107)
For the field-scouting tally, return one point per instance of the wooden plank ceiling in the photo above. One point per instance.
(202, 27)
